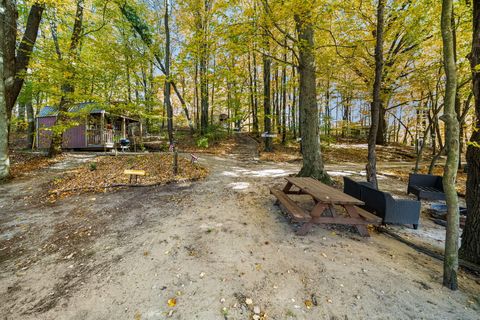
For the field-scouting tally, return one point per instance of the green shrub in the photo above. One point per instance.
(93, 166)
(216, 133)
(202, 142)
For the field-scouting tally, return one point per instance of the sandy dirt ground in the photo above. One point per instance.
(215, 249)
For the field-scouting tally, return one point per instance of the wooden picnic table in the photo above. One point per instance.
(324, 212)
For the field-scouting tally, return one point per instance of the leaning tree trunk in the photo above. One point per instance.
(24, 51)
(377, 99)
(470, 249)
(450, 266)
(309, 117)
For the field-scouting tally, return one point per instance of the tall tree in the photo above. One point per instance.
(450, 266)
(309, 115)
(267, 105)
(470, 249)
(68, 87)
(377, 99)
(284, 102)
(143, 30)
(203, 56)
(166, 93)
(17, 59)
(14, 63)
(4, 160)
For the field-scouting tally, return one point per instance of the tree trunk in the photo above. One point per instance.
(68, 84)
(382, 125)
(461, 116)
(377, 99)
(309, 117)
(294, 106)
(203, 96)
(253, 91)
(470, 249)
(278, 119)
(212, 96)
(67, 87)
(17, 65)
(202, 27)
(256, 129)
(458, 104)
(284, 103)
(14, 63)
(450, 266)
(229, 104)
(196, 98)
(21, 111)
(267, 118)
(127, 72)
(167, 87)
(142, 30)
(4, 159)
(30, 124)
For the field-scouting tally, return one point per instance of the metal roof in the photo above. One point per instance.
(49, 111)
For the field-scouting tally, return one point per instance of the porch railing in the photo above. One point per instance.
(98, 137)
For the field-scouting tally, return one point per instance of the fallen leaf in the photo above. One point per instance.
(308, 304)
(172, 302)
(137, 316)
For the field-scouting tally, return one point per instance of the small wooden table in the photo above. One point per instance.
(326, 198)
(134, 173)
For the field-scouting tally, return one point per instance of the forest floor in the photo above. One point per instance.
(217, 248)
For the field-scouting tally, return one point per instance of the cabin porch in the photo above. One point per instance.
(105, 130)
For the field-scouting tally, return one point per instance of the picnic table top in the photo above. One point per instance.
(323, 193)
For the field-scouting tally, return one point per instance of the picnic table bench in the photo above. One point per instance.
(324, 211)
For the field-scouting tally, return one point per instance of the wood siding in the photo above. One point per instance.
(73, 138)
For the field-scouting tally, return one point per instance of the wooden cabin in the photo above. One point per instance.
(96, 129)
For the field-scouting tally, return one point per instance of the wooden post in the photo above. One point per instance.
(175, 161)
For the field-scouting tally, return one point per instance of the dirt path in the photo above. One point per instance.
(210, 245)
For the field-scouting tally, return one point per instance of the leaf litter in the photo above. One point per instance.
(107, 173)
